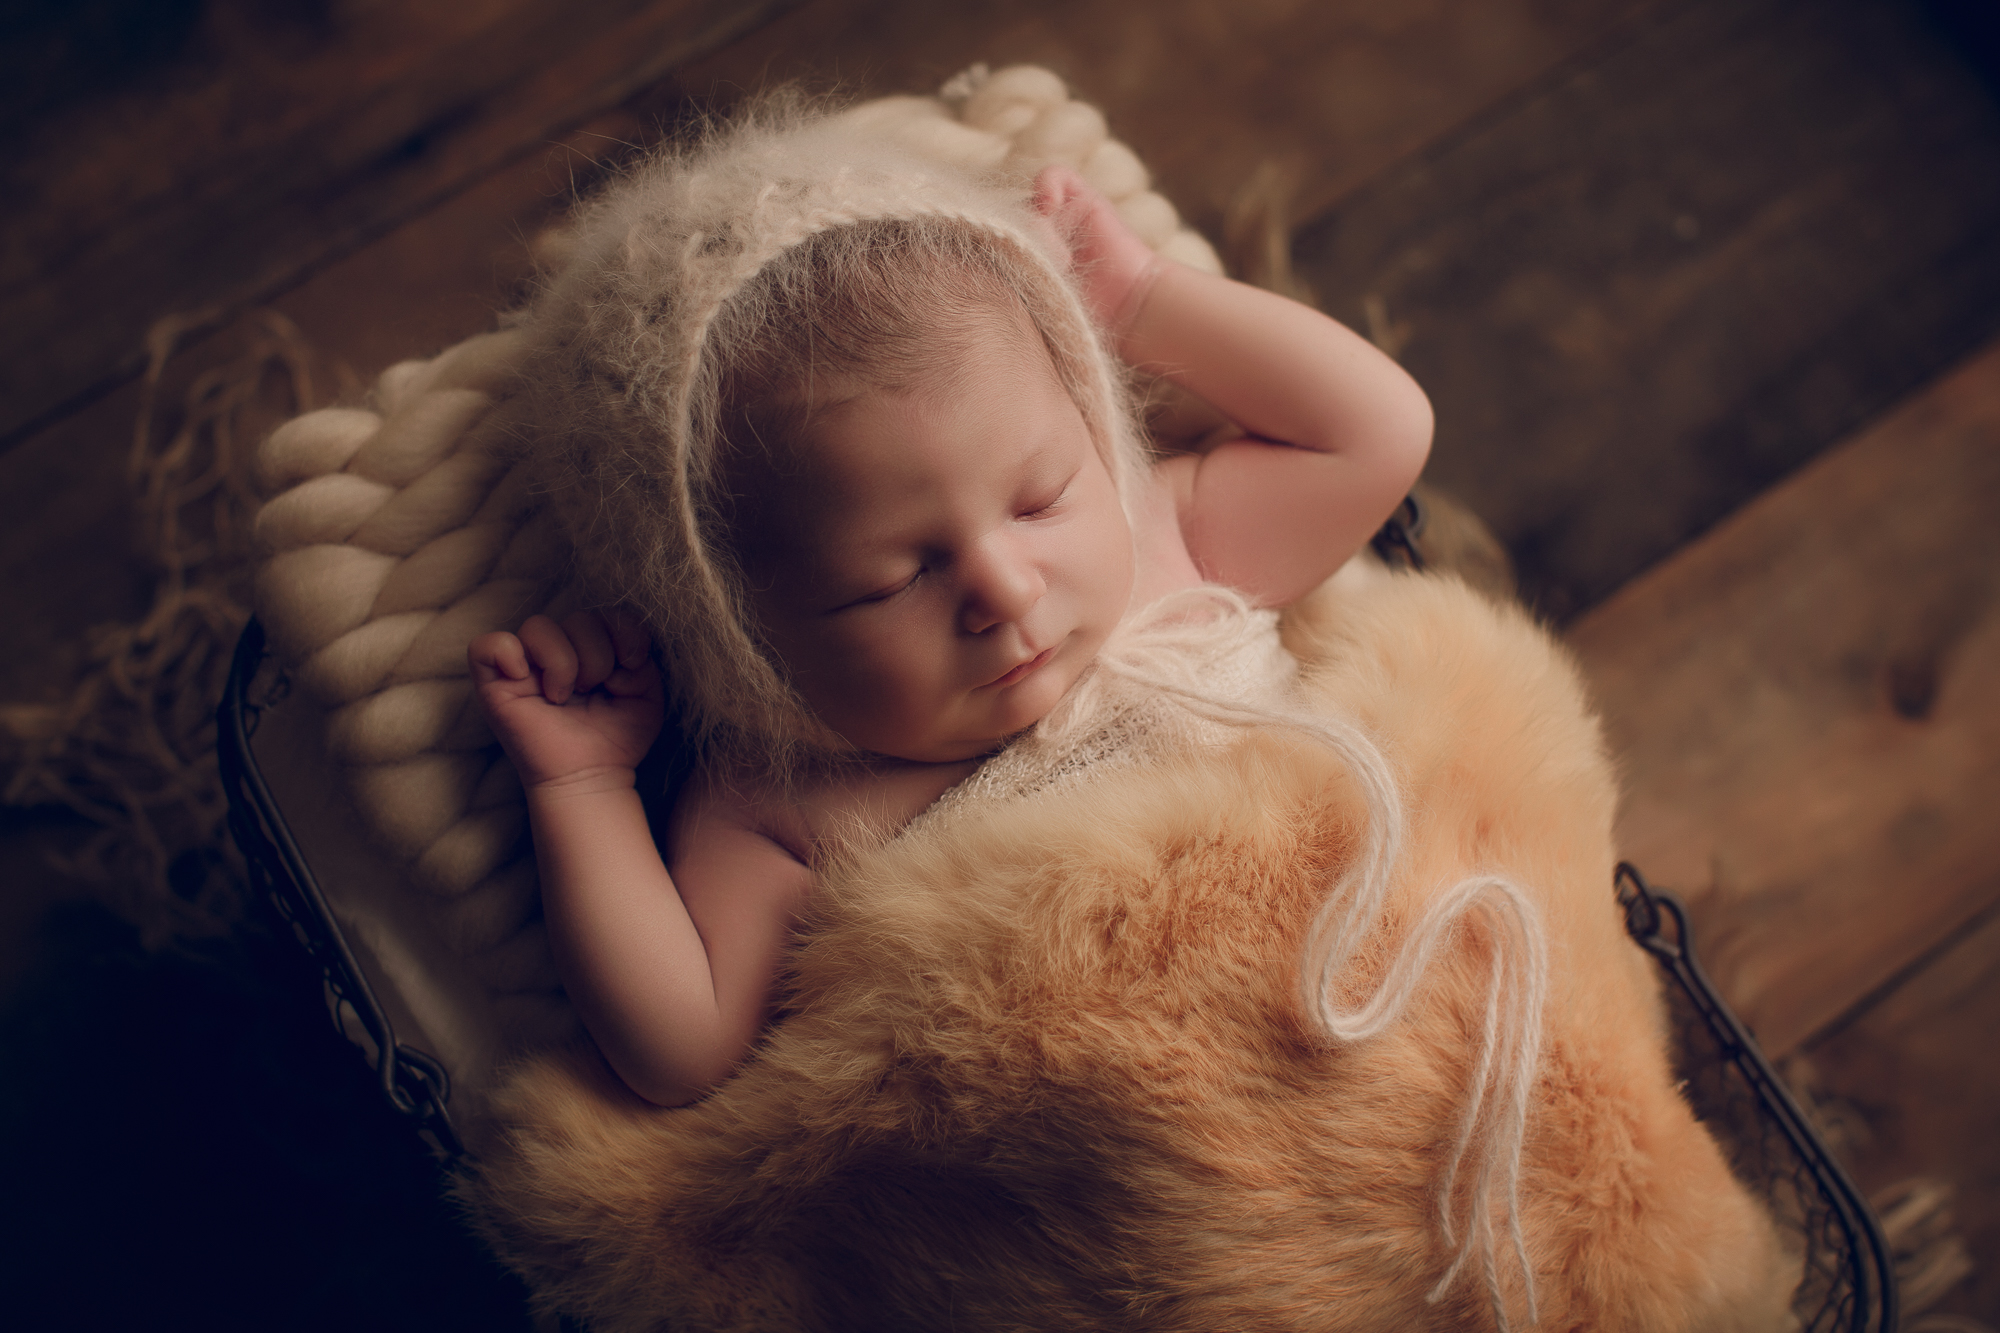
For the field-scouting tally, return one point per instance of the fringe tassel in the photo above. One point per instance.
(1159, 654)
(132, 747)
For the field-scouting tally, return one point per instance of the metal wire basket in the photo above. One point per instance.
(414, 1082)
(1848, 1286)
(1849, 1283)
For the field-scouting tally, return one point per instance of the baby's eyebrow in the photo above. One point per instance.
(1050, 464)
(851, 558)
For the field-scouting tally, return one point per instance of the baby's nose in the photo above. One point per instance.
(1000, 586)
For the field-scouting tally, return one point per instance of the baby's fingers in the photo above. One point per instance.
(639, 682)
(550, 652)
(1055, 187)
(496, 656)
(1114, 267)
(595, 657)
(629, 638)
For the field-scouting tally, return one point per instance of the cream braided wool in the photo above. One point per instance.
(397, 534)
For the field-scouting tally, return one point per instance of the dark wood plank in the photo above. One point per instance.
(67, 524)
(1917, 1072)
(1212, 107)
(1330, 93)
(67, 547)
(1803, 706)
(1662, 281)
(266, 151)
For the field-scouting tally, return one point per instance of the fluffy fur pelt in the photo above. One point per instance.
(1052, 1071)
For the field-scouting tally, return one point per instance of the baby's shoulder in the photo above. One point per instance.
(728, 800)
(812, 814)
(1158, 539)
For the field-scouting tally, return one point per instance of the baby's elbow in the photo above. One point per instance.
(670, 1090)
(1408, 443)
(681, 1075)
(1398, 447)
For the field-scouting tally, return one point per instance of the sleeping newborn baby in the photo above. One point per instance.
(842, 434)
(922, 510)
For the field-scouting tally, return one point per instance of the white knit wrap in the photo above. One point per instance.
(1209, 638)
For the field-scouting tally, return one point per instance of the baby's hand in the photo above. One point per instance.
(1114, 267)
(570, 701)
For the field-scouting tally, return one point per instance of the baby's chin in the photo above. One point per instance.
(956, 750)
(986, 728)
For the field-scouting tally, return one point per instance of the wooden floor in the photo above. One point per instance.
(1706, 292)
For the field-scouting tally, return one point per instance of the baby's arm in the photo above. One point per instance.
(1337, 430)
(673, 989)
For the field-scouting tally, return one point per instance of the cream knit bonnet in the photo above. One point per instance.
(398, 530)
(623, 382)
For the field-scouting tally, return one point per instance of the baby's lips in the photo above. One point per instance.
(1021, 669)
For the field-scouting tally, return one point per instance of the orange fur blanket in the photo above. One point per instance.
(1052, 1072)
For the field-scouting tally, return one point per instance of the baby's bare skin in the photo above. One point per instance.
(937, 571)
(810, 816)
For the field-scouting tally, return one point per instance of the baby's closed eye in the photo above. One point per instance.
(1044, 510)
(881, 594)
(1047, 500)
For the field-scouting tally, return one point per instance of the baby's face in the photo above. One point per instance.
(936, 569)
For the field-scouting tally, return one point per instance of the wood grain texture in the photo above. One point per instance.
(1212, 95)
(1340, 90)
(1651, 287)
(66, 518)
(266, 150)
(1803, 703)
(1329, 91)
(1917, 1070)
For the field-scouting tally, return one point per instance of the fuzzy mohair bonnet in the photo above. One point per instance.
(623, 389)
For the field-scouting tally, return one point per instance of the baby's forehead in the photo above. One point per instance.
(862, 457)
(953, 346)
(999, 344)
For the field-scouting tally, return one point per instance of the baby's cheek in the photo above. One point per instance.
(1103, 562)
(860, 680)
